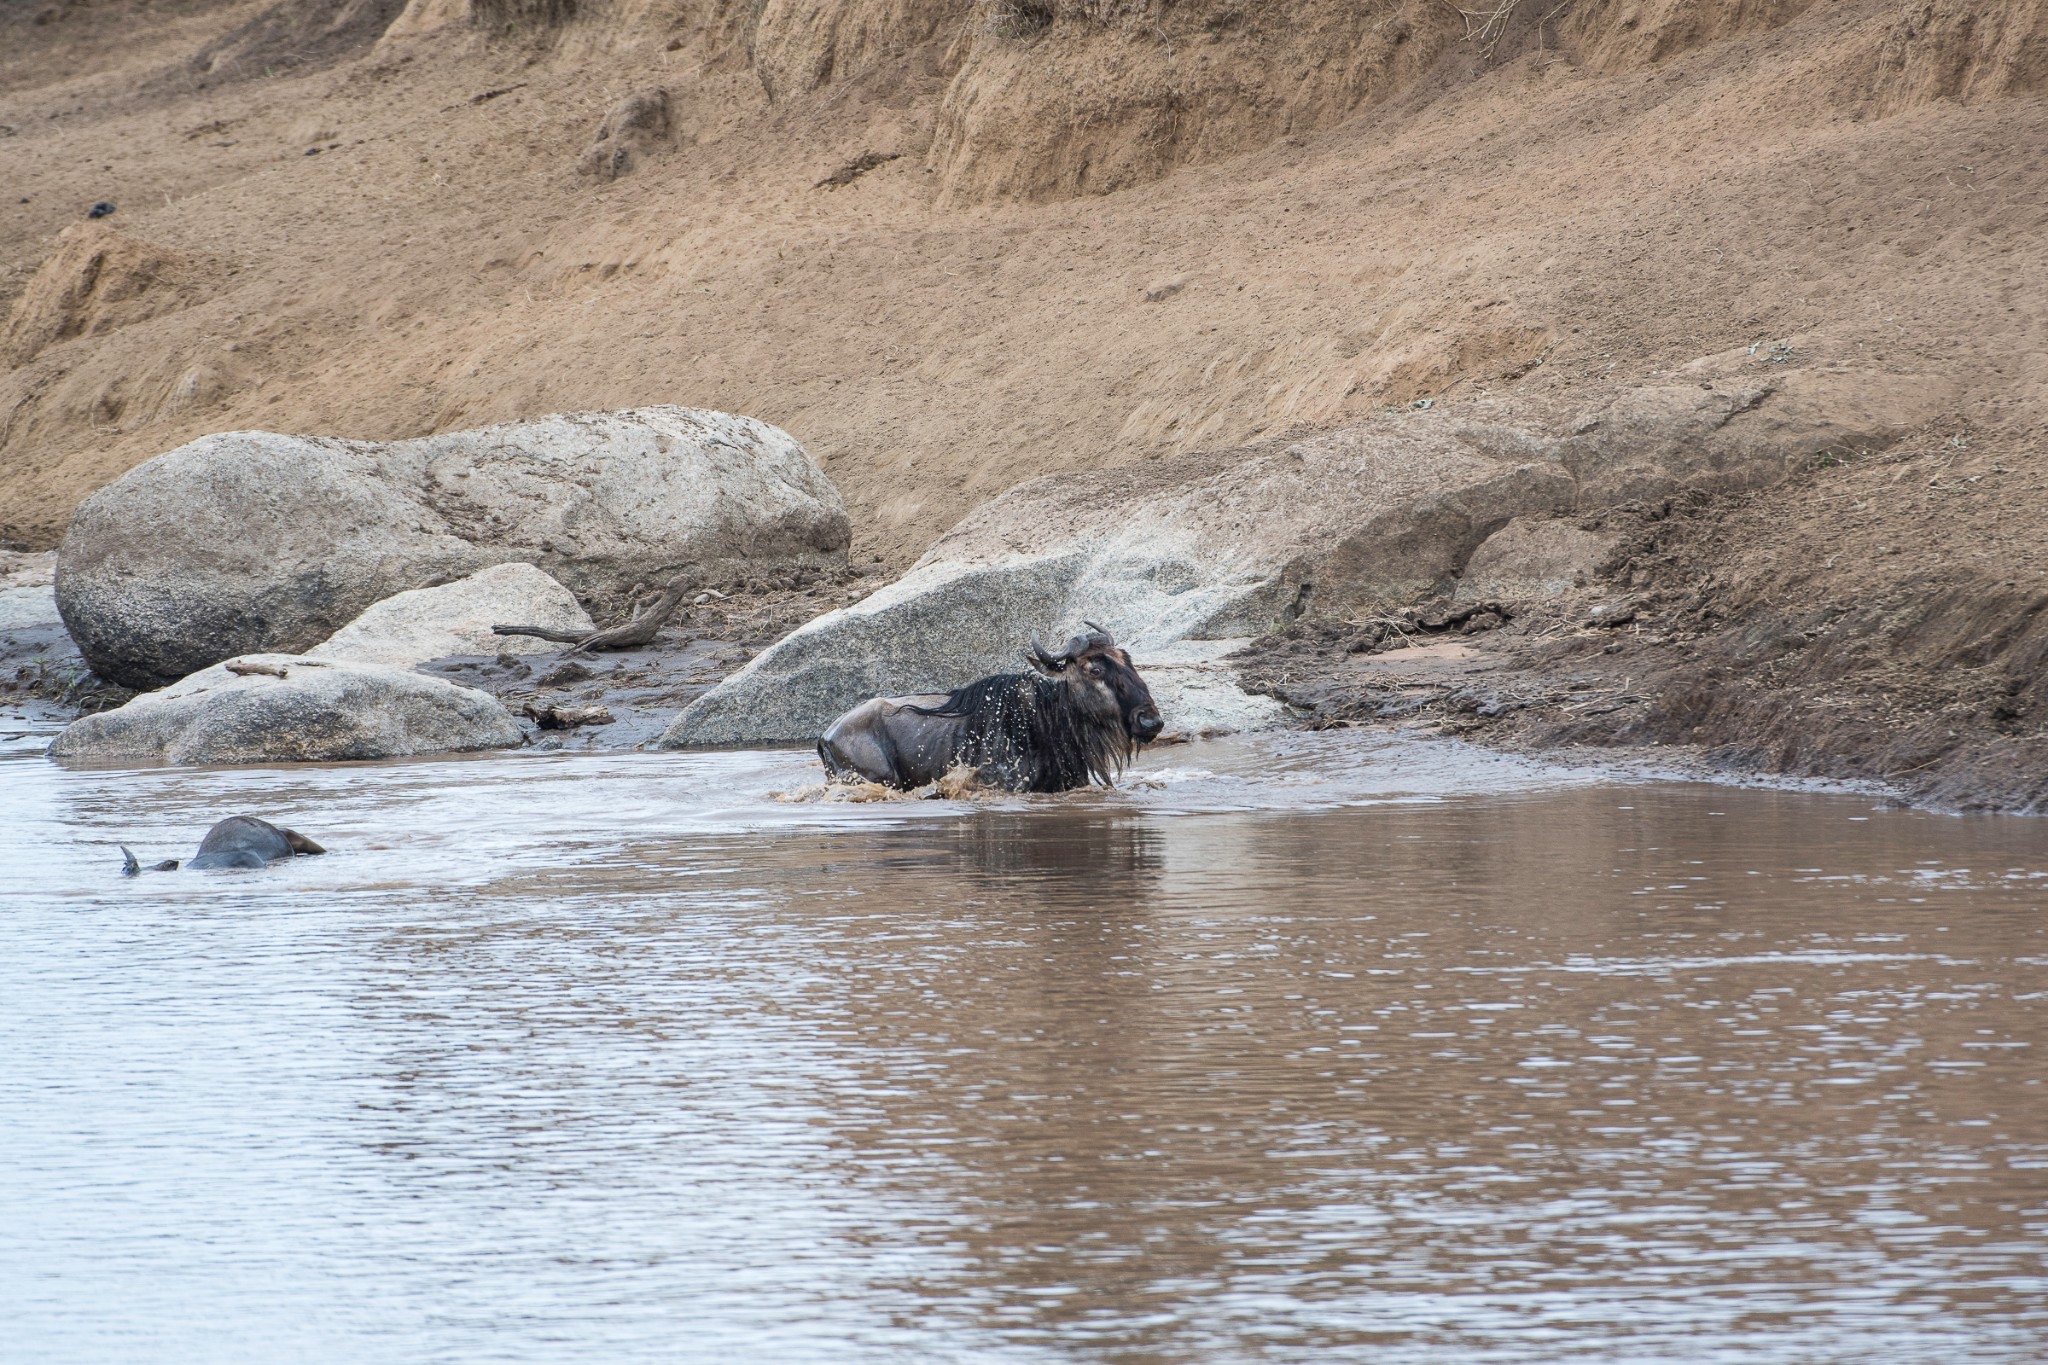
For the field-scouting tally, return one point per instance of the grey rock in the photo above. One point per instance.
(28, 608)
(28, 601)
(456, 618)
(1534, 558)
(258, 541)
(1184, 559)
(322, 710)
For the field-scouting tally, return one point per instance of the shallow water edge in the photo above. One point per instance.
(1294, 1046)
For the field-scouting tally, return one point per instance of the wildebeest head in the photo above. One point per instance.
(1102, 682)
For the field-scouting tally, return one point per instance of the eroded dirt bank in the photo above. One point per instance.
(1883, 618)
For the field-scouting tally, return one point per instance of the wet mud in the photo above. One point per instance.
(1747, 634)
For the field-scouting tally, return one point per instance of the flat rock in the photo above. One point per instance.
(28, 599)
(322, 710)
(28, 608)
(437, 623)
(1534, 557)
(1213, 547)
(253, 540)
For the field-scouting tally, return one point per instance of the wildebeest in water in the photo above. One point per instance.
(1079, 716)
(238, 841)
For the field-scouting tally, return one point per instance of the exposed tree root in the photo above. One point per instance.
(634, 634)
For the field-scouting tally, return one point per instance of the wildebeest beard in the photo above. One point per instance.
(1024, 732)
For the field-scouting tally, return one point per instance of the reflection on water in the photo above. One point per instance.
(1302, 1046)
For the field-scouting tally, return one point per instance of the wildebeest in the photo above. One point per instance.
(238, 841)
(1079, 717)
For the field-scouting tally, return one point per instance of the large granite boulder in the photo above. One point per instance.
(257, 541)
(456, 618)
(1183, 560)
(321, 710)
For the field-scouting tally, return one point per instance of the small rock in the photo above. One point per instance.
(1611, 614)
(552, 717)
(1160, 290)
(633, 125)
(565, 674)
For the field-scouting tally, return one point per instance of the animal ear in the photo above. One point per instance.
(300, 843)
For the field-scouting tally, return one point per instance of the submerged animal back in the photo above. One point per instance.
(242, 841)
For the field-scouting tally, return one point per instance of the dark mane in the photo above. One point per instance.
(1024, 731)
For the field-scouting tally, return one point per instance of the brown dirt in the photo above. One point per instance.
(1375, 214)
(1118, 231)
(1883, 619)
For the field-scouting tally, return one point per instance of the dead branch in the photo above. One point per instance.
(639, 631)
(560, 637)
(243, 669)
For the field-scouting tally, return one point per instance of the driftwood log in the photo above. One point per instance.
(639, 631)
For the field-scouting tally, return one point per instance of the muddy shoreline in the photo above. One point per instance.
(45, 683)
(1755, 632)
(1738, 637)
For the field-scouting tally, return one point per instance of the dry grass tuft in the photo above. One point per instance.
(1016, 18)
(508, 16)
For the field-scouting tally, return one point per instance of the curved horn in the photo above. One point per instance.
(1037, 654)
(1095, 637)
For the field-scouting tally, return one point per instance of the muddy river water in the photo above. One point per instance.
(1297, 1048)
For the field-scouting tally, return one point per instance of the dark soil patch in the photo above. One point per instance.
(1877, 619)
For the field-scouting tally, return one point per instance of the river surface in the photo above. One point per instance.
(1296, 1048)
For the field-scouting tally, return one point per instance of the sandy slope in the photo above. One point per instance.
(440, 263)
